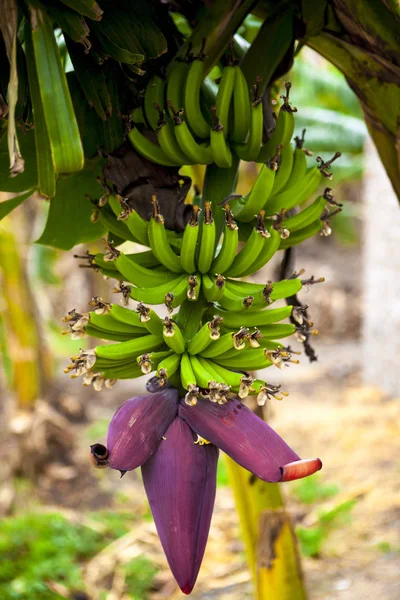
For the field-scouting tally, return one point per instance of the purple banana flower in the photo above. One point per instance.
(177, 447)
(180, 483)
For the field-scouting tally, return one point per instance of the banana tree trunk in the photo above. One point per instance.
(268, 536)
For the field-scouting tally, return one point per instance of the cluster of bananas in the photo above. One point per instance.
(224, 328)
(191, 132)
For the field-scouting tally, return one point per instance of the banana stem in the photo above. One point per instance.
(268, 536)
(219, 184)
(18, 321)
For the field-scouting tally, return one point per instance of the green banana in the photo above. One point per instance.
(148, 149)
(271, 245)
(115, 227)
(241, 107)
(251, 250)
(159, 241)
(142, 277)
(284, 170)
(208, 333)
(248, 360)
(246, 209)
(107, 334)
(299, 160)
(265, 294)
(192, 106)
(129, 349)
(168, 366)
(306, 216)
(224, 96)
(126, 315)
(250, 149)
(276, 331)
(129, 370)
(176, 80)
(213, 289)
(230, 301)
(167, 139)
(302, 234)
(284, 128)
(189, 242)
(148, 362)
(149, 319)
(227, 253)
(207, 241)
(108, 322)
(134, 222)
(296, 194)
(178, 294)
(203, 377)
(156, 295)
(173, 336)
(153, 96)
(222, 155)
(253, 318)
(188, 378)
(227, 342)
(196, 153)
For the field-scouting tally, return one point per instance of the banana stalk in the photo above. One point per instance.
(268, 536)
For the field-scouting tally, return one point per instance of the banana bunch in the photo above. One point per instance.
(212, 360)
(190, 131)
(199, 262)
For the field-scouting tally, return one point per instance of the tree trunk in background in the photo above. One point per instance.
(381, 327)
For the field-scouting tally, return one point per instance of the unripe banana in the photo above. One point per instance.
(250, 251)
(270, 247)
(213, 288)
(306, 216)
(226, 342)
(156, 295)
(227, 253)
(149, 150)
(154, 94)
(169, 366)
(176, 83)
(250, 149)
(207, 242)
(284, 169)
(302, 234)
(129, 349)
(253, 318)
(284, 128)
(197, 153)
(232, 302)
(241, 108)
(189, 243)
(208, 333)
(248, 360)
(173, 336)
(246, 210)
(167, 139)
(188, 378)
(192, 106)
(159, 241)
(224, 96)
(150, 319)
(220, 150)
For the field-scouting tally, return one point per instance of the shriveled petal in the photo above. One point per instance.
(138, 426)
(300, 469)
(180, 482)
(240, 433)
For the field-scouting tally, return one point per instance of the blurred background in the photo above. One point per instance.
(68, 531)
